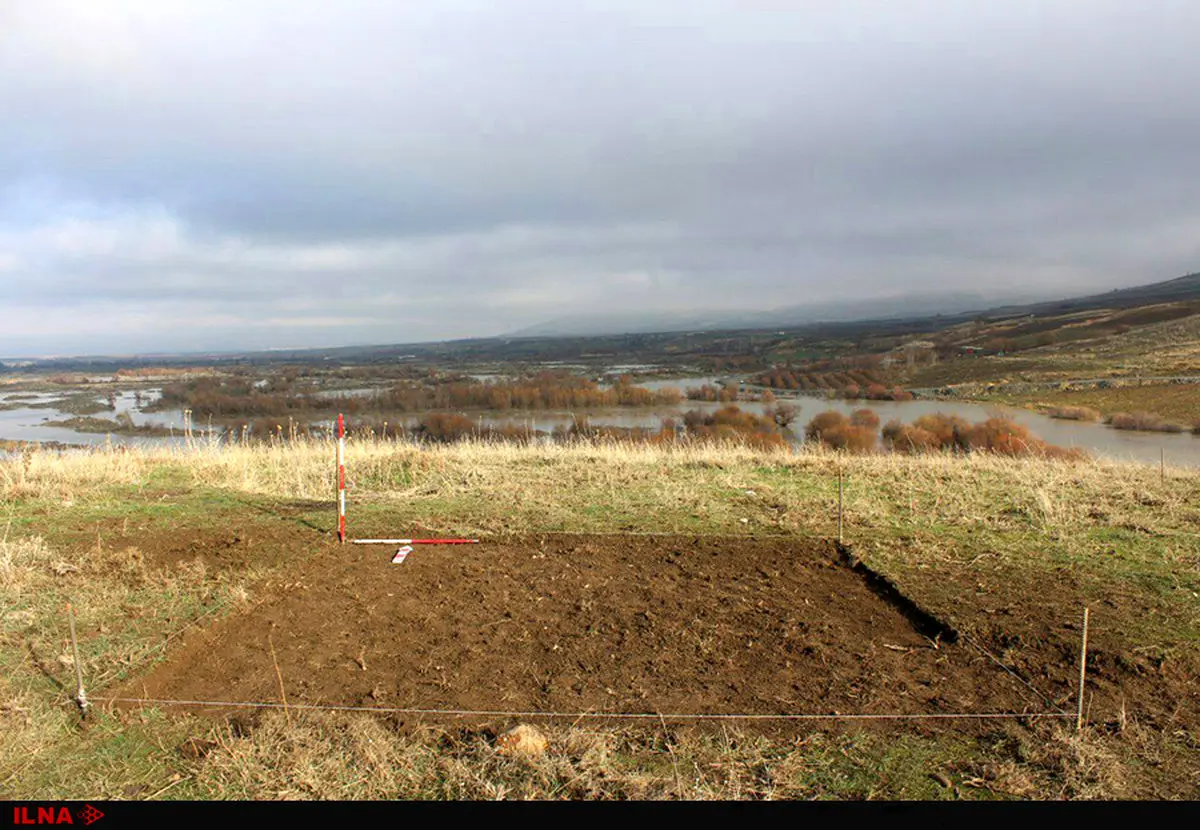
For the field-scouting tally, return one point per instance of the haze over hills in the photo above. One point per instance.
(901, 306)
(1186, 287)
(911, 306)
(941, 309)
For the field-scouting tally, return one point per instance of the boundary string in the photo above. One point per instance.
(392, 710)
(1016, 676)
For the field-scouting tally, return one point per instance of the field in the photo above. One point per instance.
(611, 578)
(581, 623)
(1145, 365)
(1175, 402)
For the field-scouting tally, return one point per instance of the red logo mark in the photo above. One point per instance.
(90, 814)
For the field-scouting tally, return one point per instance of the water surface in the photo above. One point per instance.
(28, 423)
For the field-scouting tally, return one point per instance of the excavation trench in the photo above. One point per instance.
(922, 621)
(589, 624)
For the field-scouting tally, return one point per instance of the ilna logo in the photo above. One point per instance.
(86, 815)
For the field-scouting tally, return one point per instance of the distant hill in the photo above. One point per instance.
(1170, 291)
(593, 335)
(952, 306)
(901, 306)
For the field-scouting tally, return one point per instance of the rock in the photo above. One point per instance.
(523, 741)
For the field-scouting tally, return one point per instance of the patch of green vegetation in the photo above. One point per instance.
(868, 766)
(112, 756)
(123, 425)
(78, 403)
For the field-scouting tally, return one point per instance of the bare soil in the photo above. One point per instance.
(576, 623)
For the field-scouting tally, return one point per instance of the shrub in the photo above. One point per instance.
(446, 426)
(1002, 435)
(834, 430)
(1142, 421)
(879, 392)
(850, 438)
(891, 429)
(733, 416)
(865, 418)
(949, 431)
(915, 440)
(784, 413)
(909, 439)
(1073, 413)
(822, 423)
(729, 423)
(710, 393)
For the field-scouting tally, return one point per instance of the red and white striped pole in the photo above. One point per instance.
(341, 477)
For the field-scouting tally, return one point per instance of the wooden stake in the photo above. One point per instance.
(1082, 669)
(279, 676)
(674, 760)
(839, 506)
(1162, 464)
(80, 697)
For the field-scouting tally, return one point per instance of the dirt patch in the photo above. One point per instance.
(587, 623)
(221, 540)
(1031, 620)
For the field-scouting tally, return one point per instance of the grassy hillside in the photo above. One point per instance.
(1144, 364)
(1177, 403)
(149, 545)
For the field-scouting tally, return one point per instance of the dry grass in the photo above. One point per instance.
(1166, 348)
(973, 515)
(668, 485)
(20, 559)
(329, 756)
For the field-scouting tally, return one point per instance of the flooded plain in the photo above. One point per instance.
(25, 416)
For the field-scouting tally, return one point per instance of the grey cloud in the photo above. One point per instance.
(521, 160)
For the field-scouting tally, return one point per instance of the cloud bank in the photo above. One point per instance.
(183, 176)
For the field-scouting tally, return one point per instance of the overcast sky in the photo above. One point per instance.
(194, 175)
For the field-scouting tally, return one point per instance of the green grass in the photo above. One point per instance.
(108, 426)
(937, 526)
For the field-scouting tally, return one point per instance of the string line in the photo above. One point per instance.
(228, 704)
